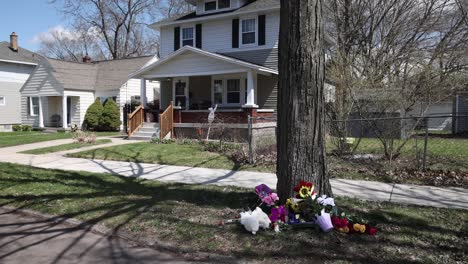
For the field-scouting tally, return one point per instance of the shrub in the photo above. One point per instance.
(162, 141)
(110, 118)
(93, 116)
(22, 128)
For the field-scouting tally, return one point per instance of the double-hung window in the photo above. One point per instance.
(2, 100)
(187, 36)
(233, 91)
(248, 31)
(228, 91)
(33, 106)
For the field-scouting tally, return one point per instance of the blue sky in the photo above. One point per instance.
(28, 18)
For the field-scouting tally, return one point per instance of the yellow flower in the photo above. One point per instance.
(344, 229)
(296, 207)
(304, 192)
(288, 202)
(359, 228)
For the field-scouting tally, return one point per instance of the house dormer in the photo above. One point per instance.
(215, 6)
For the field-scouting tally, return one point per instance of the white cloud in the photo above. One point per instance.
(60, 32)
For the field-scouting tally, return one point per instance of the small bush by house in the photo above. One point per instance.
(93, 116)
(22, 128)
(110, 119)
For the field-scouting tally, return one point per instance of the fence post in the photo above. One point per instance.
(249, 139)
(426, 136)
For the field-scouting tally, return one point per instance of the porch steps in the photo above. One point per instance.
(147, 132)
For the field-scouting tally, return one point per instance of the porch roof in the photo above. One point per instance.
(190, 61)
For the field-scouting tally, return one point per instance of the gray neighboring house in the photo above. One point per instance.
(460, 108)
(58, 93)
(16, 65)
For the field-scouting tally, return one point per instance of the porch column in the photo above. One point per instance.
(251, 86)
(41, 114)
(64, 112)
(143, 93)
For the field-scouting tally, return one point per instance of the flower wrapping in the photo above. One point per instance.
(324, 222)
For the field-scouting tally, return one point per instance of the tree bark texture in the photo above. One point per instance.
(301, 133)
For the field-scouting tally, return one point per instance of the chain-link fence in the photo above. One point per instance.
(425, 149)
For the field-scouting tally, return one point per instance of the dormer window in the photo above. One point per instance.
(210, 6)
(224, 4)
(187, 36)
(213, 5)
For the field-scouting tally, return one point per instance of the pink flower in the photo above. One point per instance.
(270, 199)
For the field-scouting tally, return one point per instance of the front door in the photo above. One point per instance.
(181, 92)
(69, 108)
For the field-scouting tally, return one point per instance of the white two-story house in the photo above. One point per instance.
(224, 53)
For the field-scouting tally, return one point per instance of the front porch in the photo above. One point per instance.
(55, 111)
(197, 80)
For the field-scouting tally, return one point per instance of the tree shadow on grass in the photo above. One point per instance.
(162, 210)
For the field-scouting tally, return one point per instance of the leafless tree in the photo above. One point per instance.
(119, 27)
(394, 56)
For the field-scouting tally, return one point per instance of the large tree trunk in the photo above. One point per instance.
(301, 139)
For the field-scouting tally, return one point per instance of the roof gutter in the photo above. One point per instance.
(19, 62)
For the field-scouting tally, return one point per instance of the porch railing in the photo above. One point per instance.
(166, 121)
(135, 120)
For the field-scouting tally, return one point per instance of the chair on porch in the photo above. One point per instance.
(55, 119)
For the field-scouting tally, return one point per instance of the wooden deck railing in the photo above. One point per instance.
(166, 121)
(135, 120)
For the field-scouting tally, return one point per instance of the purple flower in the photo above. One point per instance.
(263, 190)
(278, 213)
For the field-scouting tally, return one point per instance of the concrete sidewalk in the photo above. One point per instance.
(375, 191)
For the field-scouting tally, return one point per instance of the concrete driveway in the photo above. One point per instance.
(25, 239)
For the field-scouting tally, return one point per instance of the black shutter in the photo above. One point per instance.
(261, 30)
(176, 38)
(235, 33)
(198, 37)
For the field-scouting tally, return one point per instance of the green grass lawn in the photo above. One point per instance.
(65, 147)
(452, 148)
(188, 215)
(8, 139)
(174, 154)
(445, 155)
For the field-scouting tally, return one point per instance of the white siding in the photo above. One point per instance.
(132, 87)
(217, 35)
(41, 83)
(15, 73)
(192, 64)
(85, 100)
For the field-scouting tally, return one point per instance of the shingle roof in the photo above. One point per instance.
(22, 55)
(250, 6)
(95, 76)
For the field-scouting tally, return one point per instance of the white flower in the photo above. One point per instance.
(324, 200)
